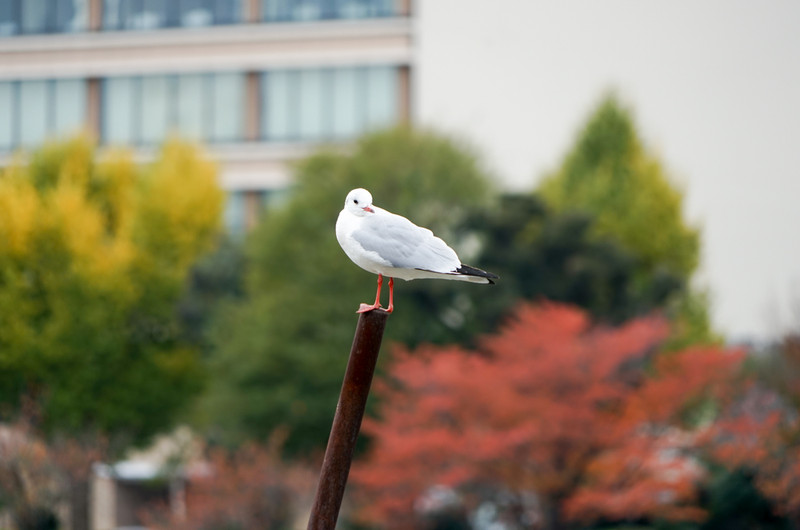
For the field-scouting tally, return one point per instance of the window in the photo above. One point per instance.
(304, 10)
(153, 14)
(311, 111)
(145, 109)
(42, 16)
(34, 105)
(9, 18)
(227, 103)
(32, 111)
(120, 104)
(279, 102)
(328, 103)
(191, 95)
(154, 109)
(381, 97)
(8, 109)
(345, 103)
(69, 105)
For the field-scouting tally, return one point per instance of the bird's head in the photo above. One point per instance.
(359, 202)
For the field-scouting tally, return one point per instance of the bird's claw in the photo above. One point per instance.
(365, 308)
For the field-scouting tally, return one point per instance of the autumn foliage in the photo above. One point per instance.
(94, 254)
(591, 419)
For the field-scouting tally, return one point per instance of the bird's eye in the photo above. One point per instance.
(355, 201)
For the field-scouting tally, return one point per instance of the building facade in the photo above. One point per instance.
(259, 82)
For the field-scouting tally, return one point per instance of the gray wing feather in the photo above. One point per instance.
(406, 245)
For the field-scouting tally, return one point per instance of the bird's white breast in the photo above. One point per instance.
(346, 224)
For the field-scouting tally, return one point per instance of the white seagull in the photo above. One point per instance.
(390, 245)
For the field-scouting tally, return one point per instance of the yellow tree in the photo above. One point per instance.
(94, 253)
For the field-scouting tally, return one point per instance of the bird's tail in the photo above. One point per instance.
(480, 276)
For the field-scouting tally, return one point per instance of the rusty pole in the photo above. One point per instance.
(347, 420)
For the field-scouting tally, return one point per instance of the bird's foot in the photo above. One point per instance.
(364, 308)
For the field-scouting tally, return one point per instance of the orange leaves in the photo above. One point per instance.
(551, 404)
(683, 378)
(645, 475)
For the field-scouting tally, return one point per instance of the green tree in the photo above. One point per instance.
(610, 174)
(94, 254)
(279, 356)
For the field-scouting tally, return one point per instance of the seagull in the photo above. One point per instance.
(390, 245)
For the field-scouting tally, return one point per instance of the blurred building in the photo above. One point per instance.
(261, 82)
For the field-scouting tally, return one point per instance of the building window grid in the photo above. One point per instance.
(331, 126)
(25, 17)
(53, 104)
(172, 118)
(306, 10)
(154, 14)
(344, 102)
(30, 17)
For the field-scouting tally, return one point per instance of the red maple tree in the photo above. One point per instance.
(552, 404)
(653, 469)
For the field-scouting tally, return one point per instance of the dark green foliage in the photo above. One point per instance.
(734, 503)
(215, 279)
(539, 253)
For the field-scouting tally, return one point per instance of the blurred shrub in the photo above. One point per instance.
(38, 479)
(247, 489)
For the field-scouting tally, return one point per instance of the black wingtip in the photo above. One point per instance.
(472, 271)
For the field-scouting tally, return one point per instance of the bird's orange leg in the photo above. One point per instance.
(364, 307)
(391, 296)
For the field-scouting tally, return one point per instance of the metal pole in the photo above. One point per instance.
(347, 420)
